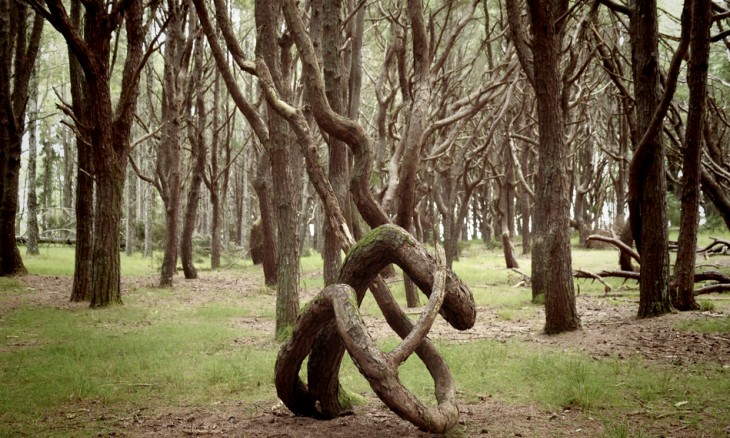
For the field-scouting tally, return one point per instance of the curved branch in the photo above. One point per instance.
(334, 124)
(624, 248)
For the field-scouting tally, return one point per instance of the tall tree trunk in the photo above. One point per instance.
(84, 204)
(32, 202)
(418, 118)
(338, 158)
(551, 254)
(213, 181)
(647, 179)
(196, 134)
(168, 154)
(684, 268)
(287, 198)
(130, 213)
(17, 50)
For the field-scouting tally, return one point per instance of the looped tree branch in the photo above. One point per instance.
(334, 315)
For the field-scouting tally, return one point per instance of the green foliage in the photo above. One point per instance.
(674, 209)
(713, 222)
(706, 305)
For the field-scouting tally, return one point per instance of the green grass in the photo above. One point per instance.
(56, 360)
(59, 260)
(710, 325)
(164, 348)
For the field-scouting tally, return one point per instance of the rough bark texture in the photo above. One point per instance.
(32, 202)
(386, 244)
(551, 255)
(262, 187)
(168, 152)
(84, 205)
(382, 246)
(418, 117)
(19, 51)
(647, 179)
(338, 158)
(683, 281)
(109, 123)
(286, 198)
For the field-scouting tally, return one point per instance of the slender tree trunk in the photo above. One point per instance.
(198, 157)
(525, 209)
(684, 268)
(338, 158)
(32, 202)
(284, 184)
(84, 205)
(168, 154)
(69, 167)
(149, 206)
(406, 191)
(262, 186)
(213, 182)
(130, 217)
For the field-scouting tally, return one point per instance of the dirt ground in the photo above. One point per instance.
(608, 330)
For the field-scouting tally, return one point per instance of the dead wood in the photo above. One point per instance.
(586, 274)
(624, 248)
(711, 288)
(723, 244)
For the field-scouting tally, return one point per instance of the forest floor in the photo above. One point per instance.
(607, 331)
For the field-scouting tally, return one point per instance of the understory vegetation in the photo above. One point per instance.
(211, 341)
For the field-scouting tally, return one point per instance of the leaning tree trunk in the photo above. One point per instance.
(196, 135)
(683, 282)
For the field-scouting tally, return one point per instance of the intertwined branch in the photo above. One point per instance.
(337, 307)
